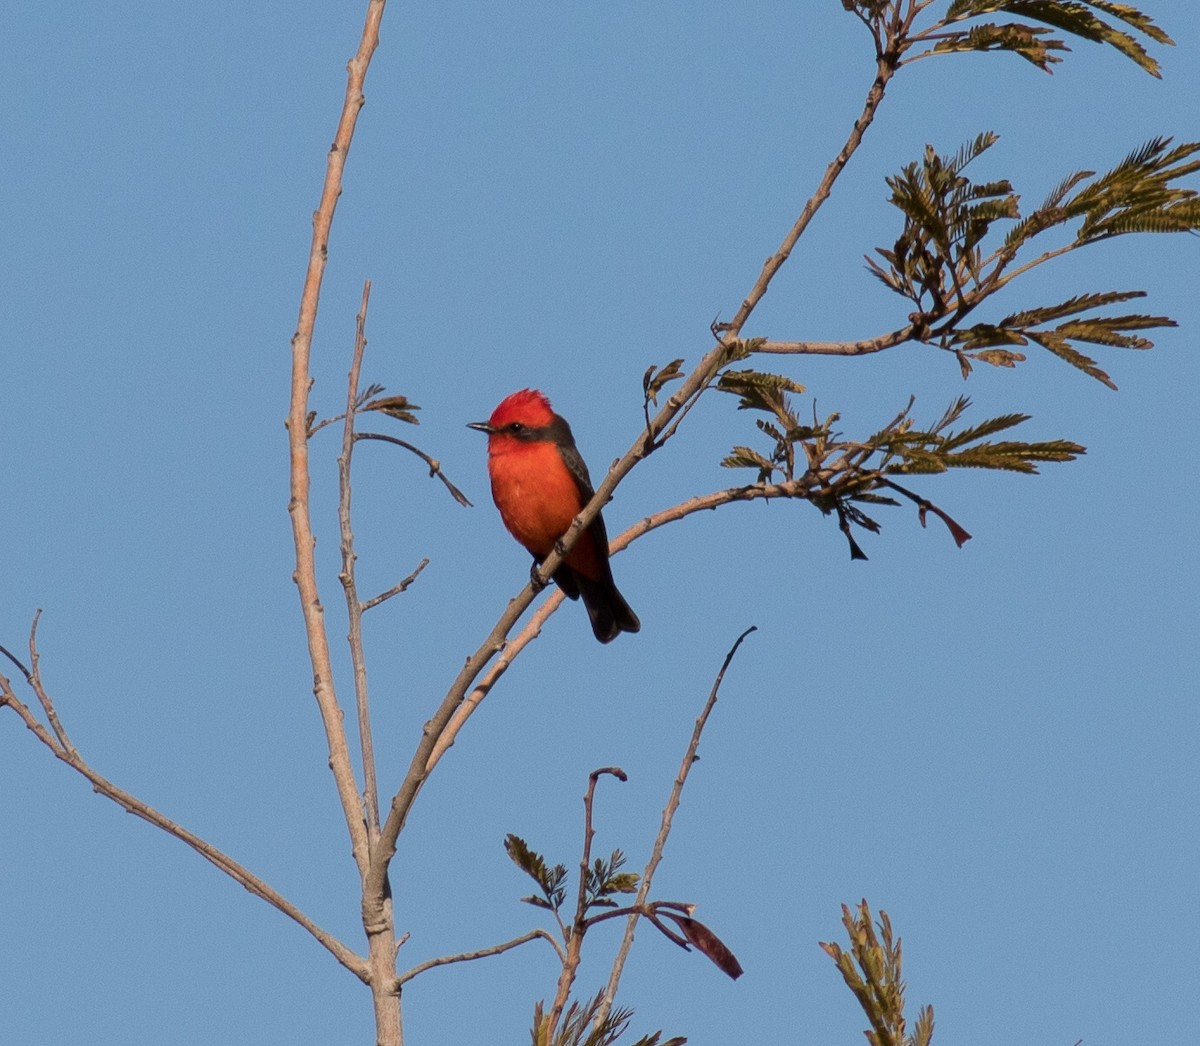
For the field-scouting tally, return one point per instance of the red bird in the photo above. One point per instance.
(540, 484)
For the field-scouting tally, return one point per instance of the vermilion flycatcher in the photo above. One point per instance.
(540, 484)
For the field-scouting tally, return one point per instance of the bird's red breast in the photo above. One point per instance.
(539, 482)
(534, 491)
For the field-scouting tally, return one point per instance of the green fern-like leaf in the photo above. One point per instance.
(917, 461)
(623, 882)
(1078, 19)
(1132, 16)
(1138, 194)
(758, 390)
(872, 971)
(1029, 42)
(952, 414)
(1012, 456)
(398, 407)
(1020, 328)
(985, 428)
(999, 357)
(1058, 345)
(748, 458)
(1106, 331)
(1070, 307)
(551, 880)
(576, 1027)
(985, 335)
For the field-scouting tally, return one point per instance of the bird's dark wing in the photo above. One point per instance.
(559, 433)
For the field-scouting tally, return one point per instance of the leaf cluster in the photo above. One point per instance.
(655, 379)
(871, 970)
(605, 878)
(842, 475)
(768, 394)
(946, 216)
(988, 342)
(1097, 21)
(939, 261)
(399, 407)
(579, 1028)
(905, 449)
(551, 881)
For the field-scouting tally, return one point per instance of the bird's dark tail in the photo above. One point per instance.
(609, 613)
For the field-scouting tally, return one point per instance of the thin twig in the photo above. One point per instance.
(482, 953)
(354, 610)
(395, 590)
(35, 681)
(579, 925)
(646, 910)
(17, 661)
(664, 830)
(435, 466)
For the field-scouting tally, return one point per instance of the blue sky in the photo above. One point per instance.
(996, 745)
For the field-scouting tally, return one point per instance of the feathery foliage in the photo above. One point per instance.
(577, 1028)
(1084, 19)
(398, 407)
(872, 971)
(551, 881)
(1021, 328)
(768, 394)
(841, 475)
(605, 878)
(938, 261)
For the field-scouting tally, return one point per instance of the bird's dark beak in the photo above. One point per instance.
(480, 426)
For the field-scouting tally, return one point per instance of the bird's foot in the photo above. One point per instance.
(536, 579)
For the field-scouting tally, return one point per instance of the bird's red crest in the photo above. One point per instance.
(528, 406)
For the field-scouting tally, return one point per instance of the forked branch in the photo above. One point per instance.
(68, 754)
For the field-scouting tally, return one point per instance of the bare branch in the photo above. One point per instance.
(354, 610)
(838, 348)
(395, 590)
(299, 508)
(579, 925)
(131, 804)
(532, 629)
(435, 466)
(482, 953)
(885, 69)
(664, 830)
(35, 681)
(378, 922)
